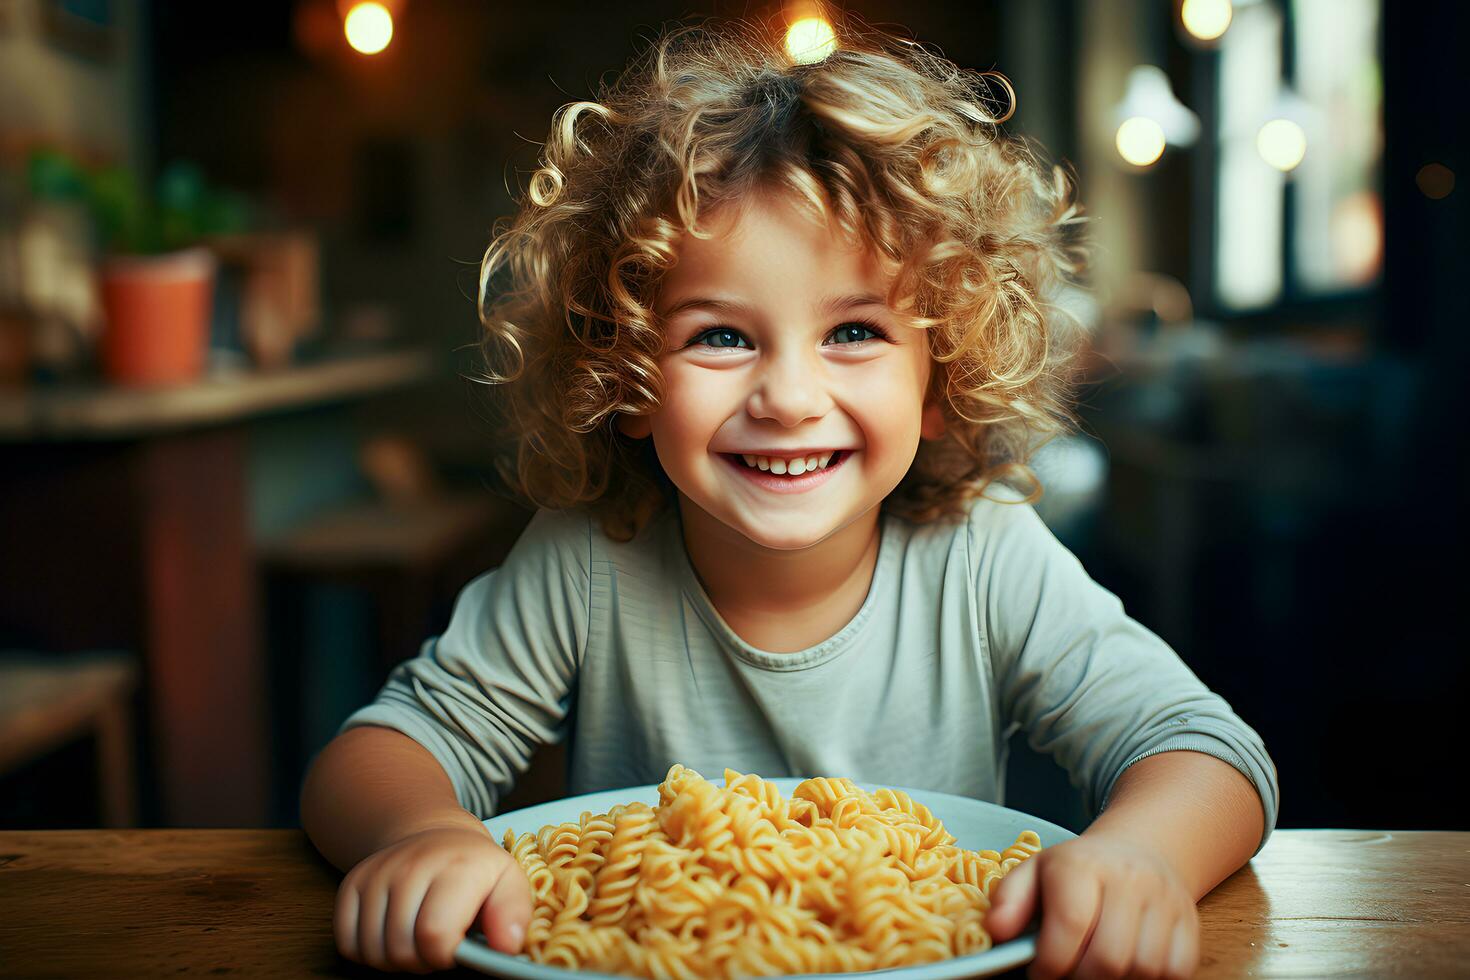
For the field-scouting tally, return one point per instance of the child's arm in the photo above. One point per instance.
(395, 797)
(423, 869)
(497, 683)
(1160, 757)
(1200, 814)
(371, 787)
(1120, 900)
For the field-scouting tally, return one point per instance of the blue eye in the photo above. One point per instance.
(723, 337)
(852, 333)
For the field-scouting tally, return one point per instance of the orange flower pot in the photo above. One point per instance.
(157, 310)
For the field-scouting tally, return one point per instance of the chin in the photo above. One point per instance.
(788, 543)
(793, 537)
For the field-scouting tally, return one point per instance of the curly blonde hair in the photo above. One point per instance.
(896, 145)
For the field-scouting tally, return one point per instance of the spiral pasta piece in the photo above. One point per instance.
(739, 881)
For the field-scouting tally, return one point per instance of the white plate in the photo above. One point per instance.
(975, 825)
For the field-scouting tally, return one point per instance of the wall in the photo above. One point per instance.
(53, 95)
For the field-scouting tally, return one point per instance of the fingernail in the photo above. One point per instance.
(517, 933)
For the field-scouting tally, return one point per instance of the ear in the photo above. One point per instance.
(635, 426)
(931, 424)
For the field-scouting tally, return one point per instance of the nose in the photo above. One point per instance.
(790, 388)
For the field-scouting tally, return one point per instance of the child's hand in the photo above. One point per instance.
(407, 906)
(1109, 909)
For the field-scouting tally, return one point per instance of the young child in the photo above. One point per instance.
(767, 335)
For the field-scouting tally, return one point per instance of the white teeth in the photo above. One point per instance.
(793, 467)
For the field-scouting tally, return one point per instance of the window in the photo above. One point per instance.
(1317, 229)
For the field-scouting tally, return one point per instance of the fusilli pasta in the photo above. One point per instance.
(740, 881)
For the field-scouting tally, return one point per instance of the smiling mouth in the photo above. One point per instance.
(787, 483)
(789, 466)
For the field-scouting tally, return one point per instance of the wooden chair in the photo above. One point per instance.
(48, 700)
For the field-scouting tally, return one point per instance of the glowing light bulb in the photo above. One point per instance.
(1435, 180)
(810, 40)
(1282, 144)
(1206, 19)
(1140, 141)
(1148, 97)
(369, 27)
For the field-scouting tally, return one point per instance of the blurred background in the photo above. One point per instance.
(242, 473)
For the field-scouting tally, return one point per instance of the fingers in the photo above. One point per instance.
(408, 907)
(400, 949)
(1155, 933)
(449, 908)
(1110, 951)
(1012, 903)
(1070, 906)
(507, 912)
(344, 920)
(1184, 946)
(372, 907)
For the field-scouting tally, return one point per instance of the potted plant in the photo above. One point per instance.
(156, 279)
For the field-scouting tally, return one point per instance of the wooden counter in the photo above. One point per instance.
(39, 414)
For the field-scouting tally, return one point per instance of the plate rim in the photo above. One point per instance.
(475, 952)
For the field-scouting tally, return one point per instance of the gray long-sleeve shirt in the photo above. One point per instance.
(969, 629)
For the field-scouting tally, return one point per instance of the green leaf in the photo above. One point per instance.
(54, 177)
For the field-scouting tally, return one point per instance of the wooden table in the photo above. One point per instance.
(153, 903)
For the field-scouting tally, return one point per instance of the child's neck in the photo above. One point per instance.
(782, 601)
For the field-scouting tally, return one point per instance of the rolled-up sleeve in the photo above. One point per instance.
(499, 681)
(1089, 685)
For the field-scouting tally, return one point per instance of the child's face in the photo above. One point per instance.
(786, 367)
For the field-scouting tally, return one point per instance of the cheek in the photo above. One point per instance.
(887, 404)
(694, 406)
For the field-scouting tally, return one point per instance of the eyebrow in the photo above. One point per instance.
(828, 306)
